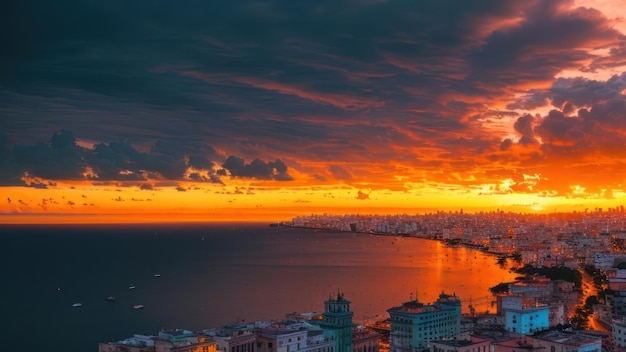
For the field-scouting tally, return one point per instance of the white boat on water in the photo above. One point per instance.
(138, 306)
(131, 287)
(157, 275)
(76, 305)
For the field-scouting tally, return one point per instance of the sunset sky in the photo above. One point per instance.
(264, 110)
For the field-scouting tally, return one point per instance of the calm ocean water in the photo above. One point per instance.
(211, 275)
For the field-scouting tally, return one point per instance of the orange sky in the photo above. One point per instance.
(257, 201)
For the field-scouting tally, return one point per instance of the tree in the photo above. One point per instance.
(580, 320)
(502, 261)
(591, 301)
(554, 273)
(502, 287)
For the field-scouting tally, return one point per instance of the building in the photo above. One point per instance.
(619, 333)
(137, 343)
(526, 320)
(606, 260)
(241, 341)
(508, 342)
(557, 341)
(472, 345)
(337, 322)
(179, 340)
(617, 284)
(617, 302)
(414, 325)
(365, 340)
(533, 289)
(504, 302)
(317, 342)
(292, 336)
(273, 339)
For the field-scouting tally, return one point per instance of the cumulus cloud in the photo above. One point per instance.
(63, 159)
(60, 158)
(524, 126)
(257, 168)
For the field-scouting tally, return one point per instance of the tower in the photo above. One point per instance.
(337, 322)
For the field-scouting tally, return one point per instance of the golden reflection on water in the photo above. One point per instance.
(379, 272)
(433, 268)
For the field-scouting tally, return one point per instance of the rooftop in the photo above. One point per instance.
(456, 343)
(568, 338)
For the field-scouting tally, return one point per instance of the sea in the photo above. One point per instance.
(199, 276)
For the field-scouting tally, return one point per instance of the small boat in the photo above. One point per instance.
(76, 305)
(157, 275)
(138, 306)
(131, 287)
(111, 298)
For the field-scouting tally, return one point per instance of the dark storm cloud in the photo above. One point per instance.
(62, 159)
(570, 94)
(10, 172)
(548, 40)
(168, 160)
(216, 60)
(556, 128)
(589, 116)
(582, 92)
(524, 126)
(160, 87)
(506, 144)
(257, 168)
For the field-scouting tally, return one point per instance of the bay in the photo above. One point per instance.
(213, 274)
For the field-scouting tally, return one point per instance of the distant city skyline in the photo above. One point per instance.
(264, 110)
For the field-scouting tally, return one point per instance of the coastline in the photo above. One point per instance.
(447, 242)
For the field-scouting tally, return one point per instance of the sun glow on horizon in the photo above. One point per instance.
(86, 202)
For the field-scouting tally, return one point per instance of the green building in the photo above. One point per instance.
(337, 323)
(414, 325)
